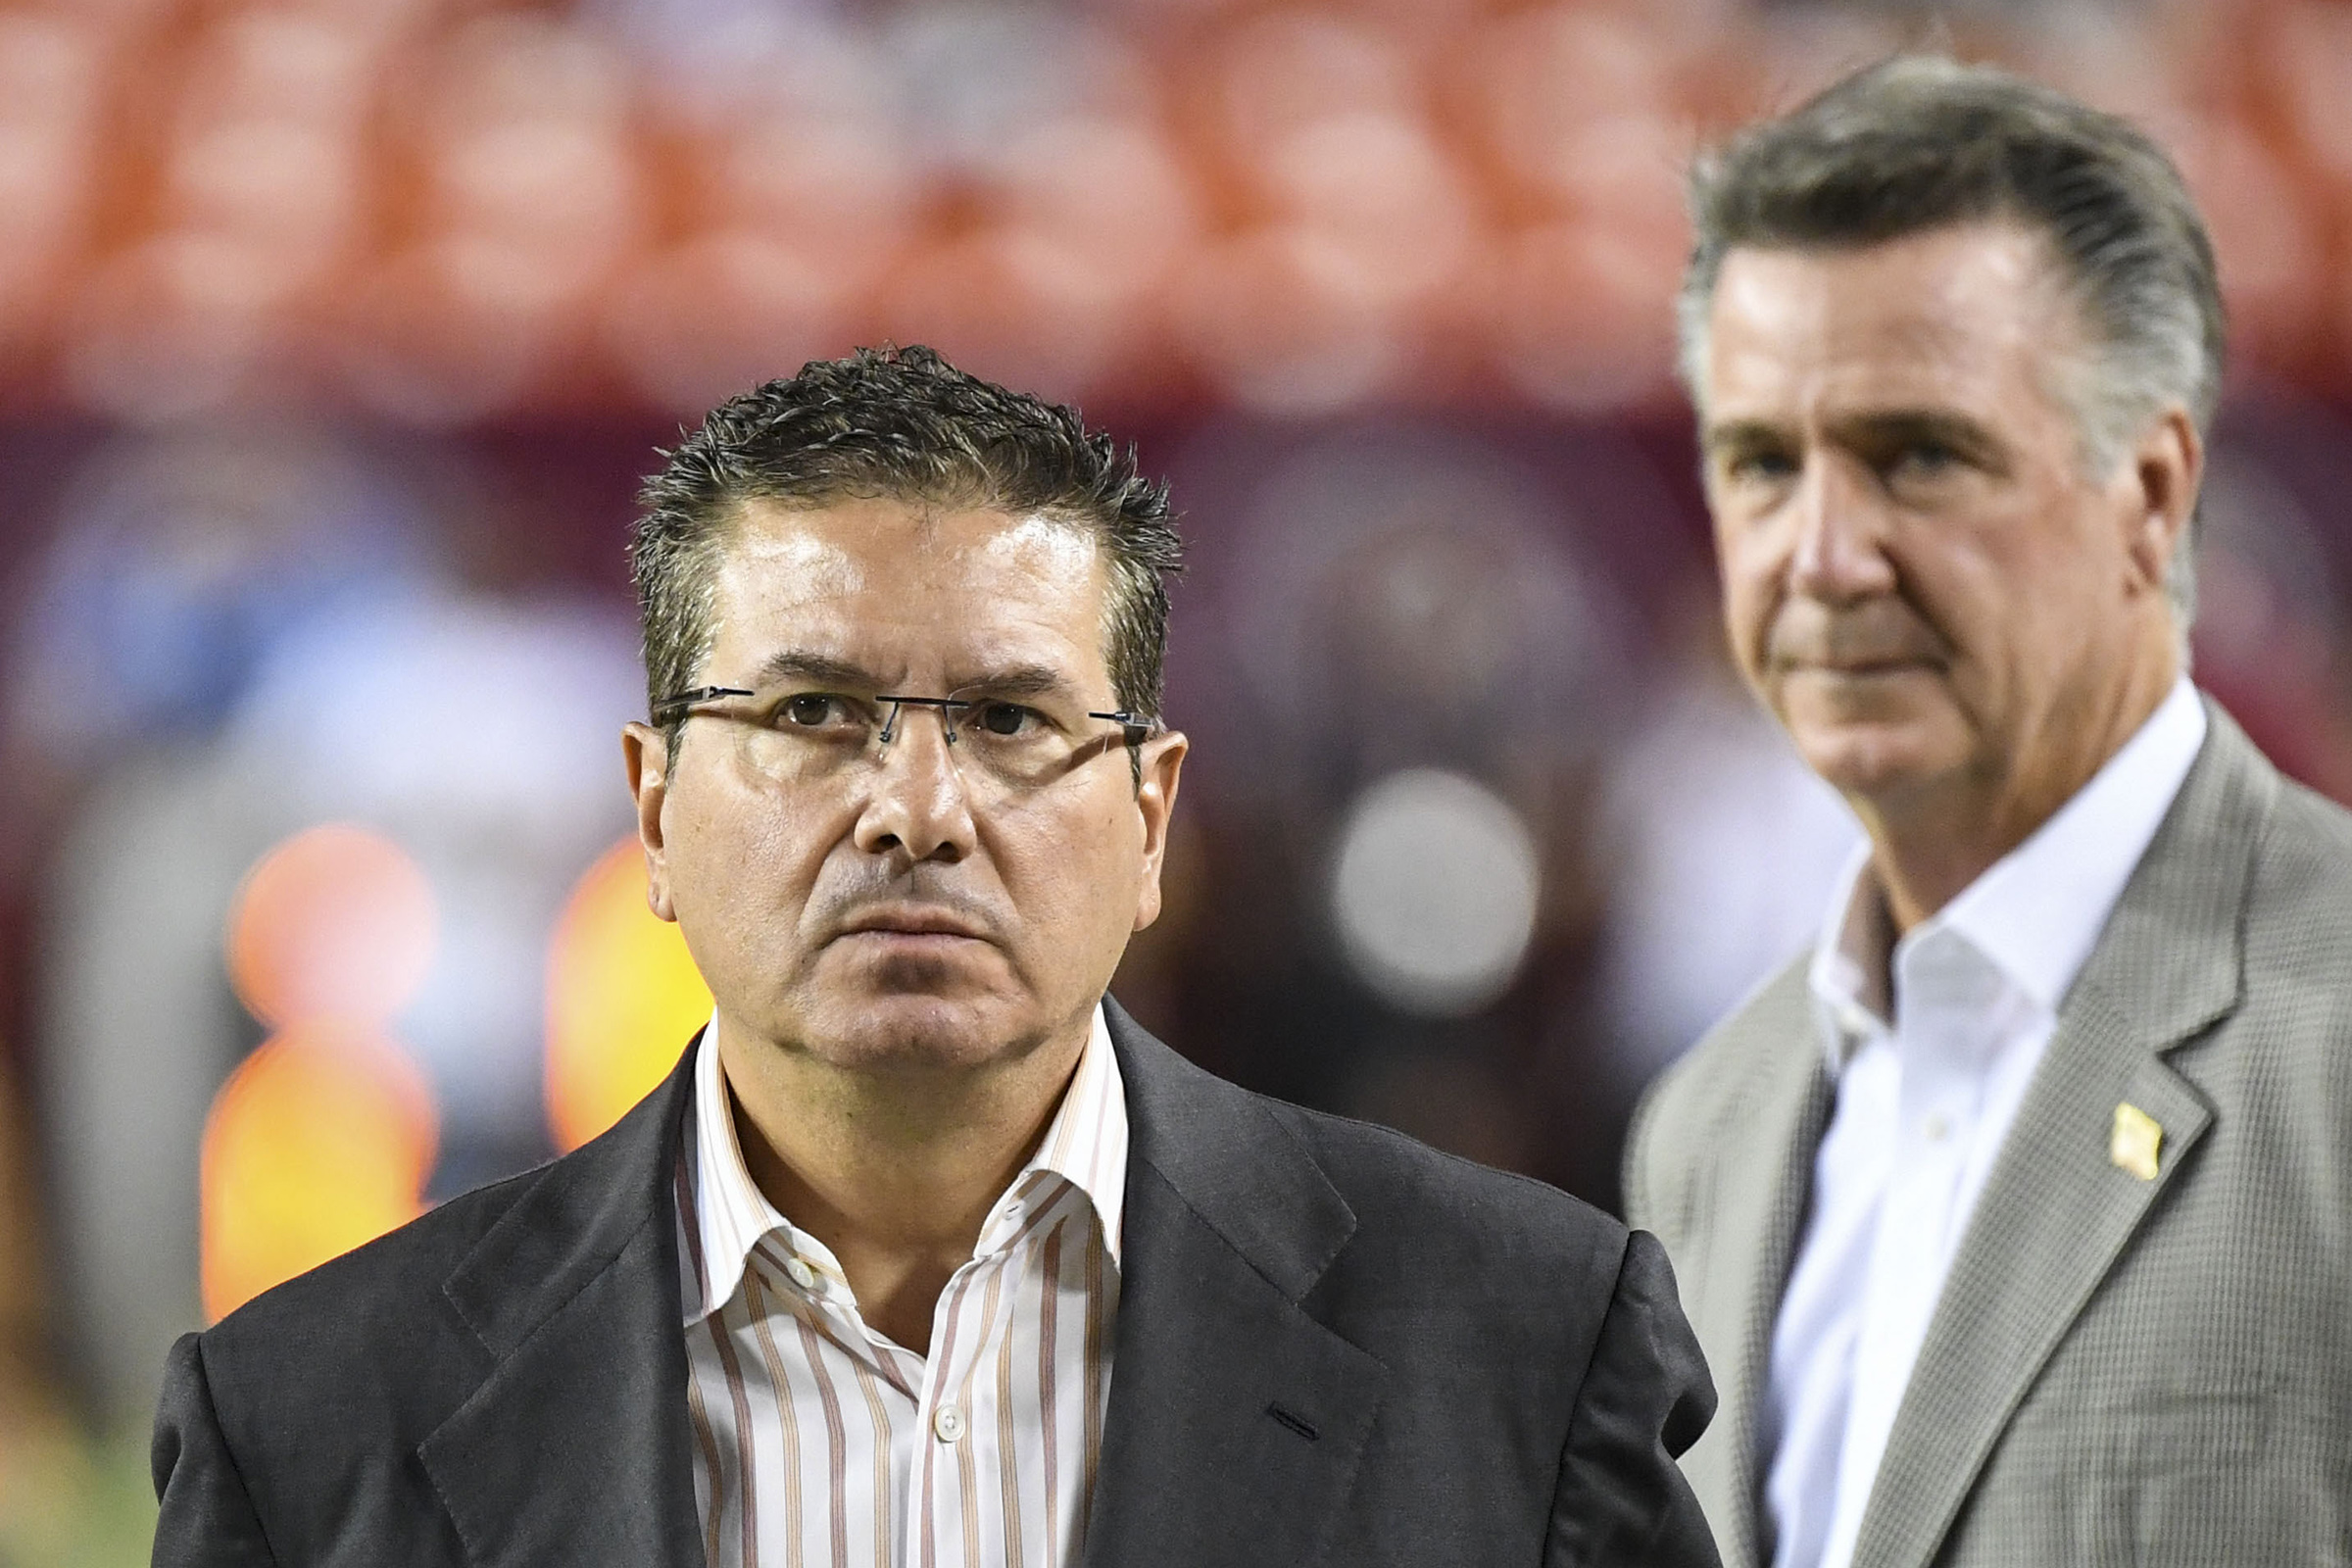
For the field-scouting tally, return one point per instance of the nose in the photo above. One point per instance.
(1838, 555)
(918, 805)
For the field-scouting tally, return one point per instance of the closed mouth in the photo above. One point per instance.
(1856, 667)
(912, 922)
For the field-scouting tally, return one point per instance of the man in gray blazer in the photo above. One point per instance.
(2014, 1219)
(926, 1255)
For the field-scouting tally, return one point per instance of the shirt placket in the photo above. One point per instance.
(808, 1281)
(962, 1333)
(1944, 1004)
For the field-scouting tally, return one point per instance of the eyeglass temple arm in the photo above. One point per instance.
(696, 695)
(1139, 730)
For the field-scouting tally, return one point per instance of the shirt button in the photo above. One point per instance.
(800, 1274)
(947, 1423)
(1939, 1128)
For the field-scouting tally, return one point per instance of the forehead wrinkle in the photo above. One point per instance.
(1811, 335)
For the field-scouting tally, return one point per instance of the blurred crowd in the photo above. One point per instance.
(442, 211)
(334, 333)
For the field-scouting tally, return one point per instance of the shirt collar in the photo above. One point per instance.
(728, 1217)
(2036, 913)
(1086, 1144)
(1849, 989)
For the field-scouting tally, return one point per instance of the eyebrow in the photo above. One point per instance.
(1895, 427)
(1018, 680)
(1742, 433)
(1888, 427)
(797, 664)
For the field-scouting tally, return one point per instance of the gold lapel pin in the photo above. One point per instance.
(2136, 1141)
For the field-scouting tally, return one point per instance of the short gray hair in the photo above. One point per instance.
(1920, 142)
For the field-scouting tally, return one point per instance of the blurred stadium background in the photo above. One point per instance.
(334, 334)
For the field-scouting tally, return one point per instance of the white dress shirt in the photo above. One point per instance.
(1923, 1102)
(820, 1441)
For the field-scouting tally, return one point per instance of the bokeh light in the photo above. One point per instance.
(324, 1137)
(336, 922)
(320, 1141)
(622, 999)
(1434, 891)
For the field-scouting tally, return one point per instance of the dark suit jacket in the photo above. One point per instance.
(1471, 1368)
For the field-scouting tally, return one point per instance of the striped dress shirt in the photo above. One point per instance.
(819, 1442)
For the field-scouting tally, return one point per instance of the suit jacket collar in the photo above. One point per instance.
(574, 1448)
(2057, 1212)
(1236, 1419)
(1219, 1148)
(1784, 1100)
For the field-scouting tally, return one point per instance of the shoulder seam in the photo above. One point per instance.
(1390, 1135)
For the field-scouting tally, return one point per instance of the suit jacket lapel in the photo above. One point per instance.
(574, 1447)
(1733, 1293)
(1236, 1418)
(2056, 1212)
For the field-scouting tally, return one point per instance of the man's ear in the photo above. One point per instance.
(1156, 797)
(2167, 463)
(645, 753)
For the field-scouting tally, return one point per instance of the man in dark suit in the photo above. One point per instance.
(926, 1253)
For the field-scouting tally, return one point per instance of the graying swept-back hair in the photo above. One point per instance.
(1921, 142)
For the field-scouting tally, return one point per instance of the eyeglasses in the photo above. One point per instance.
(802, 735)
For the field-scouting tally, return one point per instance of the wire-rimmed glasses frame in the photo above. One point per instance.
(677, 707)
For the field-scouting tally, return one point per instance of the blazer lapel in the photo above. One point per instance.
(1236, 1419)
(2057, 1211)
(1733, 1293)
(574, 1448)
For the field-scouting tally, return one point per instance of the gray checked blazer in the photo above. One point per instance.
(2121, 1371)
